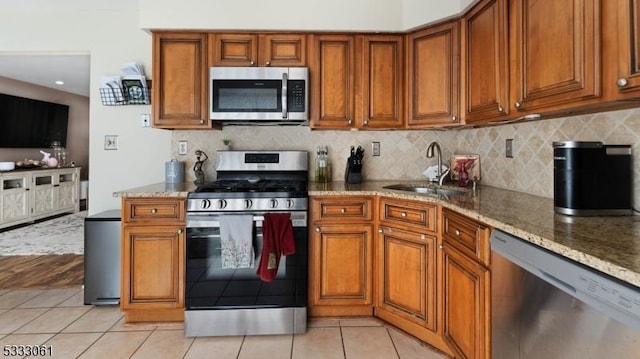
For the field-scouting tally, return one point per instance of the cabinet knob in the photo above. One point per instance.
(500, 109)
(403, 214)
(252, 63)
(457, 233)
(622, 82)
(318, 229)
(180, 231)
(441, 246)
(454, 118)
(350, 122)
(380, 230)
(518, 104)
(268, 63)
(201, 121)
(343, 210)
(366, 122)
(154, 211)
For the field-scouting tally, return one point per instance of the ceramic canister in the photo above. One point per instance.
(174, 171)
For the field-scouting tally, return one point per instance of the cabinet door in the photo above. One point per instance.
(434, 76)
(180, 77)
(466, 286)
(44, 193)
(332, 72)
(486, 66)
(407, 276)
(14, 197)
(341, 265)
(628, 52)
(67, 191)
(282, 50)
(233, 49)
(555, 52)
(153, 267)
(382, 82)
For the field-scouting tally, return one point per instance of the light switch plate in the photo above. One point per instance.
(508, 150)
(375, 148)
(182, 148)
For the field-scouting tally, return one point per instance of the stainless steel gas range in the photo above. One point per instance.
(258, 204)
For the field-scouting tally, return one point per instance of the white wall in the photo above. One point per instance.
(112, 37)
(332, 15)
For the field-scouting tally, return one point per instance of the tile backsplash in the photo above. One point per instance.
(403, 153)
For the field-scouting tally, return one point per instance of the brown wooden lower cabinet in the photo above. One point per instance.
(341, 270)
(153, 260)
(467, 291)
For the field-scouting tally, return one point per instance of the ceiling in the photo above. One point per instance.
(46, 69)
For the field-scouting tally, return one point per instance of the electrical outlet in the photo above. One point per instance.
(375, 148)
(182, 148)
(145, 120)
(508, 150)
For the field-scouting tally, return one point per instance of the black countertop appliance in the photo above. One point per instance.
(592, 179)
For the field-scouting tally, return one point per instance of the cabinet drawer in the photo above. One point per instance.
(153, 210)
(342, 209)
(418, 215)
(466, 235)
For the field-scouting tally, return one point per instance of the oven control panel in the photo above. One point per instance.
(244, 204)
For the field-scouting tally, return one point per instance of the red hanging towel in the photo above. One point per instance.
(277, 240)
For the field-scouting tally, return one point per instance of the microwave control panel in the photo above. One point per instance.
(296, 96)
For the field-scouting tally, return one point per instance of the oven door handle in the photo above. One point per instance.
(207, 222)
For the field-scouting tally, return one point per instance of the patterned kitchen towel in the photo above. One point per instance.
(236, 237)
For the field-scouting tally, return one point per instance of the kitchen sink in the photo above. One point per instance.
(427, 189)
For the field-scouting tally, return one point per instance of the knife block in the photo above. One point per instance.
(353, 172)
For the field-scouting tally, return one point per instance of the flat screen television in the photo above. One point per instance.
(29, 123)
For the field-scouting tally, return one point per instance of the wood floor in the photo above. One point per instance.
(52, 271)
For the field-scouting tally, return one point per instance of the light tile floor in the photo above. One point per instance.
(58, 318)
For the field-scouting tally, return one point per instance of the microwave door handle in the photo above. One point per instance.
(284, 95)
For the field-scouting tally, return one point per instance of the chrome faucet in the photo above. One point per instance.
(439, 175)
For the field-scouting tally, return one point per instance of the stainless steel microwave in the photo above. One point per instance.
(261, 95)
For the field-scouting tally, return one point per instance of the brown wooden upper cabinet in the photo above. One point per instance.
(556, 52)
(485, 56)
(626, 16)
(357, 81)
(180, 76)
(250, 49)
(434, 76)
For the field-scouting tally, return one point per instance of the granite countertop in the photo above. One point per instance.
(609, 244)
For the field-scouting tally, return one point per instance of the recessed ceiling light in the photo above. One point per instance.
(59, 82)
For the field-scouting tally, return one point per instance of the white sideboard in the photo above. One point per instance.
(28, 195)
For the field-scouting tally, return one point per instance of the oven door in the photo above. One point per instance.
(211, 286)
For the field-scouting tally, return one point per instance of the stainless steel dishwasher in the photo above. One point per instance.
(547, 306)
(102, 258)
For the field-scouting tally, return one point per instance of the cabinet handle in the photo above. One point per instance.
(343, 210)
(441, 246)
(349, 122)
(318, 229)
(252, 63)
(180, 231)
(518, 104)
(500, 109)
(366, 122)
(380, 230)
(457, 233)
(201, 121)
(454, 118)
(403, 214)
(622, 82)
(268, 63)
(154, 211)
